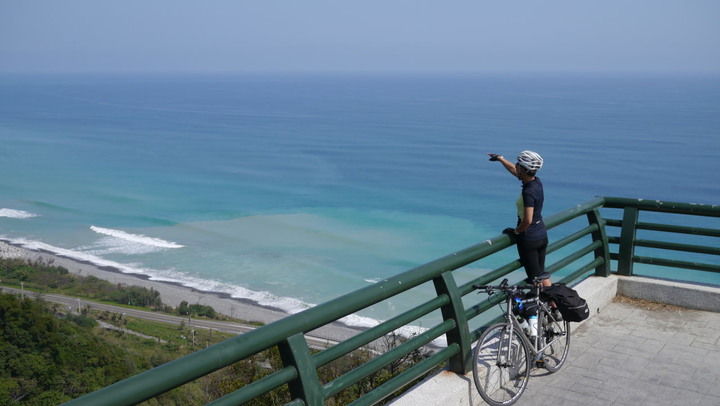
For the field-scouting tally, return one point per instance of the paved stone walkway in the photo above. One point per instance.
(634, 354)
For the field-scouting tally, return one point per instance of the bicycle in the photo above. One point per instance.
(502, 355)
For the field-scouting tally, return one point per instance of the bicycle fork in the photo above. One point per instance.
(506, 358)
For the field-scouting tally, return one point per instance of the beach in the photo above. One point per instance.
(173, 294)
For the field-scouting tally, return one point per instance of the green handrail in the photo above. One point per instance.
(589, 253)
(630, 223)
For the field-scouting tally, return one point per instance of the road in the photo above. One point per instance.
(74, 303)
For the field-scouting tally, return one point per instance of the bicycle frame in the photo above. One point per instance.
(535, 343)
(543, 308)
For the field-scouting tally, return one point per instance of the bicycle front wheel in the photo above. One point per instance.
(501, 365)
(557, 334)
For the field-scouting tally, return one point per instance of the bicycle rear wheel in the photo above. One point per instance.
(557, 333)
(501, 365)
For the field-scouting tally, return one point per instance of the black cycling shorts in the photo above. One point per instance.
(532, 256)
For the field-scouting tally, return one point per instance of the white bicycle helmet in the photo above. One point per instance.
(532, 161)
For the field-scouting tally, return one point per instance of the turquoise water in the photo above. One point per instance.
(291, 190)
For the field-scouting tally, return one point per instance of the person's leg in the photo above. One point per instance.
(530, 257)
(541, 252)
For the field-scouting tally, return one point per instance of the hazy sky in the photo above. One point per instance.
(366, 35)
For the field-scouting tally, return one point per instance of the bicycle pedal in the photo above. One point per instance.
(540, 363)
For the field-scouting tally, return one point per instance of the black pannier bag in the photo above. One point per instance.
(571, 305)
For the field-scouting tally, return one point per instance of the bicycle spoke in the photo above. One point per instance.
(501, 366)
(557, 335)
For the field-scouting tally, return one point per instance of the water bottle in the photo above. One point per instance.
(524, 325)
(532, 322)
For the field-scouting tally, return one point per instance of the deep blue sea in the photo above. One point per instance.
(291, 190)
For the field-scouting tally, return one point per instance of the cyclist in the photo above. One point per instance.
(530, 232)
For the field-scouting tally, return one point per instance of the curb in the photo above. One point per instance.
(681, 294)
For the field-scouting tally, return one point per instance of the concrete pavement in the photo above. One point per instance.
(630, 352)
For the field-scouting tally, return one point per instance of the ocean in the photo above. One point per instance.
(293, 189)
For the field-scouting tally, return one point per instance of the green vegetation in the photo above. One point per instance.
(43, 276)
(48, 357)
(44, 360)
(196, 310)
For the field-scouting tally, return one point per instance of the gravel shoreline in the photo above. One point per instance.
(173, 294)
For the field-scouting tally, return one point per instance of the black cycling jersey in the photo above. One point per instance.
(532, 196)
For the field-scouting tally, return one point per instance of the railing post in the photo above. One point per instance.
(455, 310)
(603, 251)
(627, 241)
(295, 352)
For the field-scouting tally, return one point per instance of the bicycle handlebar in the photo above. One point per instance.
(503, 286)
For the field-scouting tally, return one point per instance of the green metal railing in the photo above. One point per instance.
(584, 247)
(630, 224)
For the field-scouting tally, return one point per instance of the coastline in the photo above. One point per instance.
(172, 293)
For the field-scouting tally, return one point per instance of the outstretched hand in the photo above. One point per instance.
(494, 157)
